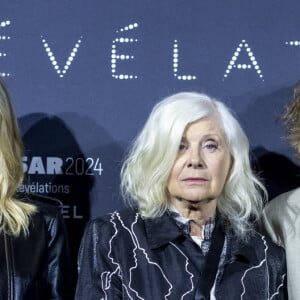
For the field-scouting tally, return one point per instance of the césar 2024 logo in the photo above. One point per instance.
(53, 165)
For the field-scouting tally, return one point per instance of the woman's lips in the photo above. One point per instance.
(195, 179)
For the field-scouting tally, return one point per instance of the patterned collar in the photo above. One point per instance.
(185, 225)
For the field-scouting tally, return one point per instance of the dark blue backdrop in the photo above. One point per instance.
(84, 75)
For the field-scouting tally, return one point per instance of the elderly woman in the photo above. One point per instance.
(34, 258)
(189, 233)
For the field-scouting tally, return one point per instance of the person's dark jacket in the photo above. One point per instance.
(37, 266)
(124, 256)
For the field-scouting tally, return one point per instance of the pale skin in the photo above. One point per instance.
(199, 173)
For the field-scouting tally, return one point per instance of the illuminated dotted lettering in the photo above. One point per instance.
(58, 70)
(115, 56)
(293, 43)
(176, 64)
(4, 23)
(4, 38)
(253, 63)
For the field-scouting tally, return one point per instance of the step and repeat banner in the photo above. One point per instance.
(84, 75)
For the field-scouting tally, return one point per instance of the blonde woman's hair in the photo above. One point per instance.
(14, 214)
(145, 172)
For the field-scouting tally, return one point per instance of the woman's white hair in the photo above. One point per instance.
(146, 170)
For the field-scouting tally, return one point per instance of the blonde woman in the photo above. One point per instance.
(34, 258)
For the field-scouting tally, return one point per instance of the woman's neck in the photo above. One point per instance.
(199, 212)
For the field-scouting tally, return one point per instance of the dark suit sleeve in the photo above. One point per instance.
(60, 277)
(99, 277)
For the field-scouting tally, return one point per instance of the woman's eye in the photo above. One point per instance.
(182, 146)
(210, 146)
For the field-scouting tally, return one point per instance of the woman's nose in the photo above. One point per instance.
(195, 160)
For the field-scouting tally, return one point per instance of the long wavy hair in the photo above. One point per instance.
(149, 161)
(291, 117)
(14, 214)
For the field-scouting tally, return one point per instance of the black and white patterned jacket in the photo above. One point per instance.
(124, 256)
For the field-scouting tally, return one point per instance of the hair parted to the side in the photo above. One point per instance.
(148, 164)
(14, 214)
(291, 117)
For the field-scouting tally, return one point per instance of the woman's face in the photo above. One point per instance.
(202, 164)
